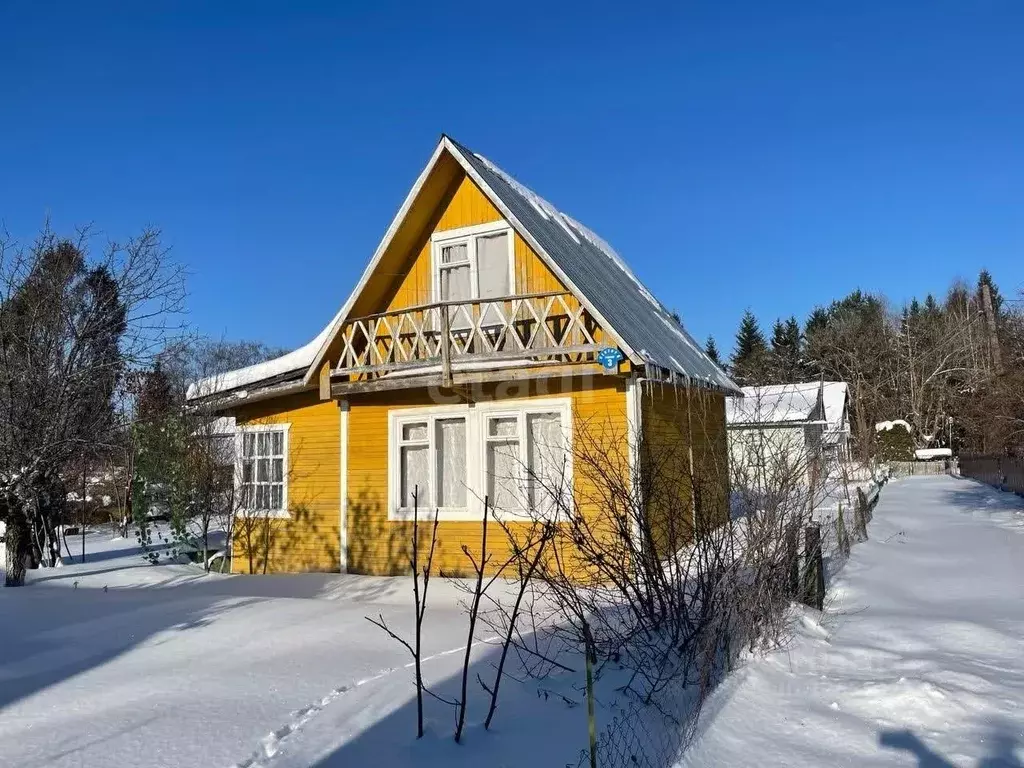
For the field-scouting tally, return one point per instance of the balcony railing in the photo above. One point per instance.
(550, 327)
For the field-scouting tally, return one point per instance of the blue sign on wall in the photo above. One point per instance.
(609, 358)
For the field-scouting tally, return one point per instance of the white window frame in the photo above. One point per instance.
(476, 451)
(468, 236)
(399, 418)
(283, 512)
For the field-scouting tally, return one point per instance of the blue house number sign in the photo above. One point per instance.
(609, 358)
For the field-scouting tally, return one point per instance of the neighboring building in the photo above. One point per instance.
(808, 423)
(489, 341)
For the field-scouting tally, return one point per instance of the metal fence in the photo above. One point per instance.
(1003, 472)
(912, 468)
(653, 734)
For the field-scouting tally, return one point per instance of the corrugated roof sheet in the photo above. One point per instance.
(774, 404)
(782, 403)
(600, 274)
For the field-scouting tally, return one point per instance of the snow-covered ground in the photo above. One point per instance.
(116, 662)
(919, 660)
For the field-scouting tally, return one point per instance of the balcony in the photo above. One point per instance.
(458, 337)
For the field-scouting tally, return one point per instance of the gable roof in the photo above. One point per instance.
(586, 264)
(791, 404)
(598, 273)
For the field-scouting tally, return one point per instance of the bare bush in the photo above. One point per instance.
(654, 567)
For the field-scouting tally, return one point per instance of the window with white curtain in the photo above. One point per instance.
(514, 453)
(451, 466)
(473, 263)
(526, 460)
(455, 273)
(431, 463)
(263, 460)
(546, 457)
(414, 458)
(505, 471)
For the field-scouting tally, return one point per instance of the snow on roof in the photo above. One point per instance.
(296, 360)
(596, 270)
(923, 454)
(833, 396)
(773, 404)
(885, 426)
(783, 403)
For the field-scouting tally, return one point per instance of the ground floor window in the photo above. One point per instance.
(263, 471)
(449, 458)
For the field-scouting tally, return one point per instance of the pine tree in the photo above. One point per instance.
(750, 361)
(711, 350)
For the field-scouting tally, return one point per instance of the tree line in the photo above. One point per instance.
(952, 367)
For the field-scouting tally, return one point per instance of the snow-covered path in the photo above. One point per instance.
(920, 661)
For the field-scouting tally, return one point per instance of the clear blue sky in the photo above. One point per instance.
(770, 155)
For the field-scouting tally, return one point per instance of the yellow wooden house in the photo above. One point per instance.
(491, 341)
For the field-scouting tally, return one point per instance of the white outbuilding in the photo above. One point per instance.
(804, 422)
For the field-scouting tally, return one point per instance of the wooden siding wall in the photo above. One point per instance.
(674, 421)
(380, 546)
(467, 206)
(310, 539)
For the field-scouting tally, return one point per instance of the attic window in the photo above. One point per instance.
(473, 263)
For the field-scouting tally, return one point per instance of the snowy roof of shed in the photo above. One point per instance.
(790, 403)
(588, 264)
(279, 367)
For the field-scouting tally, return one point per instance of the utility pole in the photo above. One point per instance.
(990, 322)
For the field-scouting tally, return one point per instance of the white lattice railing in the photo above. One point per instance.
(549, 326)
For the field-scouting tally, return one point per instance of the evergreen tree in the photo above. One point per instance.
(787, 352)
(816, 321)
(711, 350)
(750, 363)
(985, 278)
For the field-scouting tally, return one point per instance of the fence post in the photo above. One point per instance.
(860, 516)
(793, 558)
(590, 653)
(842, 537)
(814, 568)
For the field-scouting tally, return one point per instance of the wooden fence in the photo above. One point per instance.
(1003, 472)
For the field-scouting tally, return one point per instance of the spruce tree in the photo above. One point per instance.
(816, 321)
(711, 350)
(787, 352)
(750, 361)
(985, 278)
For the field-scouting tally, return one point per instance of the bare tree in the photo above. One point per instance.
(71, 326)
(419, 591)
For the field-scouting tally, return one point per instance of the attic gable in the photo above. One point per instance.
(435, 195)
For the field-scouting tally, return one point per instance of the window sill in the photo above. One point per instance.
(450, 515)
(265, 514)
